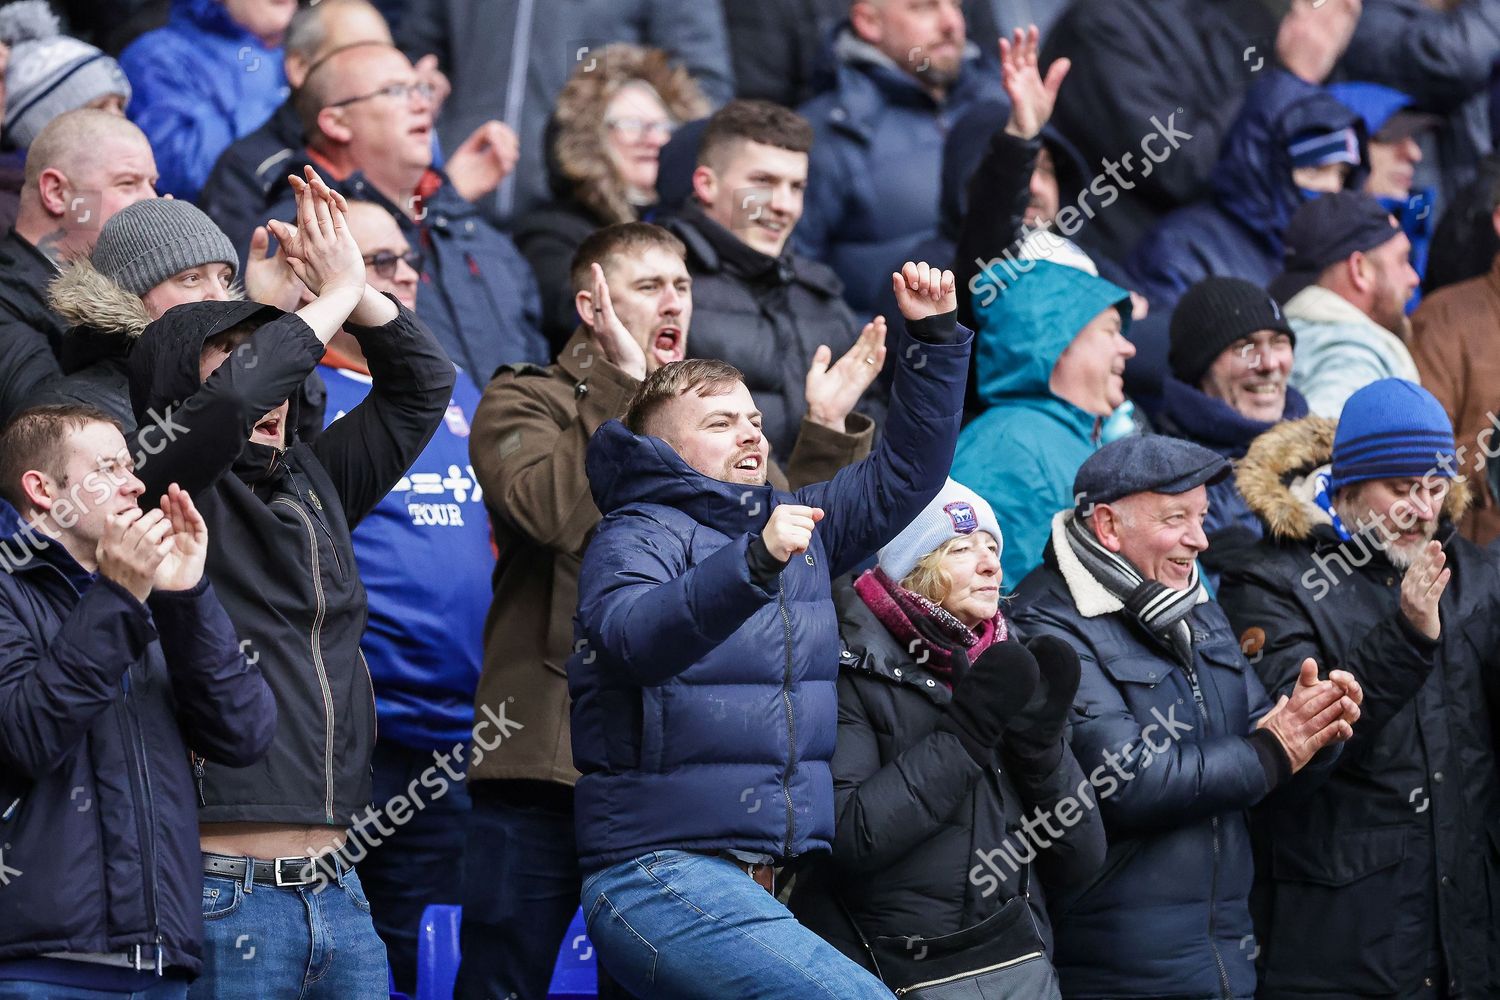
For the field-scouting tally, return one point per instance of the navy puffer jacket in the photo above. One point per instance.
(704, 709)
(1237, 231)
(101, 698)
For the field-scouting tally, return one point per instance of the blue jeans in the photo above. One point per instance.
(262, 941)
(421, 863)
(17, 989)
(679, 926)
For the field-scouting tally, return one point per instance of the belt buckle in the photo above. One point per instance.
(276, 872)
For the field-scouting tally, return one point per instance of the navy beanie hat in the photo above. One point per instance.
(1391, 429)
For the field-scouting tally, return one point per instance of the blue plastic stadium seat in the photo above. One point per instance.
(574, 977)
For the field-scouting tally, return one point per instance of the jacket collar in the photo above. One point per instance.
(1316, 304)
(714, 249)
(1090, 597)
(869, 648)
(869, 81)
(579, 355)
(1279, 473)
(1190, 413)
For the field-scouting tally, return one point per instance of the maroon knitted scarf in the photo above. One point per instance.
(920, 626)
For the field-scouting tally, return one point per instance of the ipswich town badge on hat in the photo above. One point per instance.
(961, 513)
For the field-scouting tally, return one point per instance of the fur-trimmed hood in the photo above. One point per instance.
(577, 159)
(88, 300)
(1278, 478)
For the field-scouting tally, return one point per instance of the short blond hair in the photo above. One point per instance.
(928, 578)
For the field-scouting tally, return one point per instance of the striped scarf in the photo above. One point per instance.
(1161, 610)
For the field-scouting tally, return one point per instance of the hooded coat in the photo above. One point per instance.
(104, 323)
(587, 191)
(1390, 875)
(282, 560)
(1022, 452)
(531, 433)
(1237, 230)
(698, 687)
(199, 83)
(875, 163)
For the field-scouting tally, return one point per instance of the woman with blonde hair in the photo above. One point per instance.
(611, 121)
(951, 772)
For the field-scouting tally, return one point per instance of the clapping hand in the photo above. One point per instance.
(833, 390)
(182, 566)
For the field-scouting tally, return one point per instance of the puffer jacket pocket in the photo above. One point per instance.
(1331, 891)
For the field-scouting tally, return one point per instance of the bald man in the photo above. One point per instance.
(252, 172)
(81, 169)
(368, 113)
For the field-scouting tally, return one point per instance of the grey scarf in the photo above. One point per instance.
(1161, 610)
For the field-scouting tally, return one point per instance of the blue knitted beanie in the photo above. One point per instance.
(1391, 429)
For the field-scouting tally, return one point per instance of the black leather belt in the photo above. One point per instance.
(281, 872)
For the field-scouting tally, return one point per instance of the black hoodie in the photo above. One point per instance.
(279, 522)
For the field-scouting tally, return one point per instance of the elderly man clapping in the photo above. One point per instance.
(1173, 728)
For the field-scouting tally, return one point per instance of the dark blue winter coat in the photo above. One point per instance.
(100, 699)
(197, 84)
(1169, 915)
(704, 707)
(873, 179)
(1237, 230)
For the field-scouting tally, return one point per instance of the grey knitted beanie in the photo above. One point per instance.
(146, 243)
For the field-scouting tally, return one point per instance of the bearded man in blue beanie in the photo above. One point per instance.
(1385, 883)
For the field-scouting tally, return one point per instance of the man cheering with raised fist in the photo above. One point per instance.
(703, 676)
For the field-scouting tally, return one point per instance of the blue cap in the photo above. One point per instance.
(1151, 463)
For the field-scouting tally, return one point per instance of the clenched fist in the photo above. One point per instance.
(789, 530)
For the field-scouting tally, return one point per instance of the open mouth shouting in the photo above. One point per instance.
(748, 468)
(270, 429)
(667, 345)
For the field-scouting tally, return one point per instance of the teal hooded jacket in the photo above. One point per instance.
(1022, 452)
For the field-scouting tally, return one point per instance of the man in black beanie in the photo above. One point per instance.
(1231, 361)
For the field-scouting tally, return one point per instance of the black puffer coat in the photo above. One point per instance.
(1390, 876)
(916, 816)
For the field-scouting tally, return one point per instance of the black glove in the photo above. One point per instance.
(1035, 740)
(995, 689)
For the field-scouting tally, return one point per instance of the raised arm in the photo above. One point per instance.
(869, 502)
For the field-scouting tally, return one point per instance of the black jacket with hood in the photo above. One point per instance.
(1390, 874)
(282, 561)
(916, 817)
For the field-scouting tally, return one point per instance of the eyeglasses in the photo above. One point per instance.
(399, 91)
(385, 262)
(636, 129)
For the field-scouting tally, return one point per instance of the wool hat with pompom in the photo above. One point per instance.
(49, 73)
